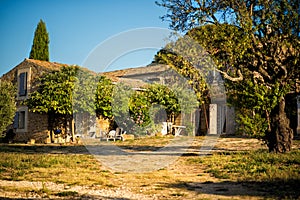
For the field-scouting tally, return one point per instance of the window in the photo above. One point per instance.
(23, 84)
(20, 120)
(23, 78)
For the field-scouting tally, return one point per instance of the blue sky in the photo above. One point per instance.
(75, 27)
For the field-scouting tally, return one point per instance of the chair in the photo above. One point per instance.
(115, 135)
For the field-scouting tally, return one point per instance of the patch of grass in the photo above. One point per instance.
(218, 173)
(67, 194)
(44, 191)
(252, 165)
(194, 160)
(59, 168)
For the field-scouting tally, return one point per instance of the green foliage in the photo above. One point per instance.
(70, 90)
(40, 46)
(136, 111)
(254, 103)
(84, 97)
(151, 103)
(120, 109)
(62, 93)
(170, 55)
(147, 108)
(223, 43)
(139, 106)
(103, 99)
(55, 92)
(258, 41)
(7, 104)
(164, 96)
(252, 123)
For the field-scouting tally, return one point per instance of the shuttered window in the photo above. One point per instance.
(16, 120)
(23, 84)
(19, 120)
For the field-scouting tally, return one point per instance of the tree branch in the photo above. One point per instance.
(234, 79)
(264, 72)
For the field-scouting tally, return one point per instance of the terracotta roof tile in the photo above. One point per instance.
(127, 73)
(46, 64)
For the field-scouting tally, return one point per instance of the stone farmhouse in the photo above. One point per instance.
(28, 125)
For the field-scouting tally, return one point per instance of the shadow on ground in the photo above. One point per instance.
(43, 148)
(94, 197)
(277, 189)
(81, 149)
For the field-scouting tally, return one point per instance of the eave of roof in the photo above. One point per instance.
(127, 73)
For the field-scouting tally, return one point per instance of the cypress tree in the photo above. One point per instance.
(40, 46)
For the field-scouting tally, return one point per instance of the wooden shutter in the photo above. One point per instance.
(16, 120)
(23, 84)
(21, 123)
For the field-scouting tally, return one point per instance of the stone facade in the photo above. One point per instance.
(28, 125)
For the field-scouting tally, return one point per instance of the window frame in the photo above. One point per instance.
(21, 120)
(24, 82)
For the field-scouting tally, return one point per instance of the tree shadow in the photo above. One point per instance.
(44, 149)
(175, 150)
(84, 196)
(274, 189)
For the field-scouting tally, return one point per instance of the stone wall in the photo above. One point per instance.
(36, 124)
(38, 127)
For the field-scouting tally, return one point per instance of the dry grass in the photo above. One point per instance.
(240, 170)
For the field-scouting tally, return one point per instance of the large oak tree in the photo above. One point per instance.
(255, 44)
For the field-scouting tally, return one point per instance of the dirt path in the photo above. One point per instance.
(51, 190)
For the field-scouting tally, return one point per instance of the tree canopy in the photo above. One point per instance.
(255, 45)
(103, 98)
(55, 92)
(40, 46)
(7, 104)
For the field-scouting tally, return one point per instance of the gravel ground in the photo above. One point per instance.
(37, 189)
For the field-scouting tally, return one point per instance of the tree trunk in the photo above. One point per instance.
(73, 129)
(50, 126)
(280, 138)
